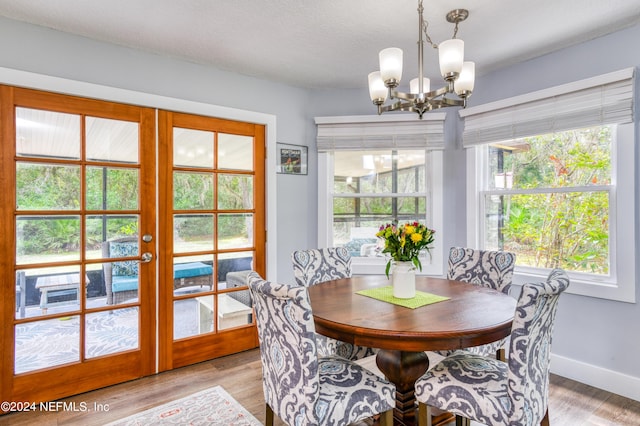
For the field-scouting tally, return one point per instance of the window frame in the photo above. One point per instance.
(431, 265)
(620, 283)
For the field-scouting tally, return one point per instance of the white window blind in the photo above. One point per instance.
(380, 132)
(605, 99)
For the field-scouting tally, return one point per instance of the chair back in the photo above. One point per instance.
(290, 376)
(530, 348)
(493, 269)
(314, 266)
(118, 247)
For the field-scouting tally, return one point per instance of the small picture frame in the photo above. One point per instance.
(291, 159)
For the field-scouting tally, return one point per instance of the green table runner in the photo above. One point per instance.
(386, 295)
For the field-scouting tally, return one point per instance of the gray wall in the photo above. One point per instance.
(595, 340)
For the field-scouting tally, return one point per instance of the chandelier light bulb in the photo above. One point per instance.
(391, 66)
(465, 82)
(377, 90)
(451, 54)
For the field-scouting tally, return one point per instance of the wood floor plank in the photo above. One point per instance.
(571, 403)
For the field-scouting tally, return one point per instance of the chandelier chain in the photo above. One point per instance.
(425, 24)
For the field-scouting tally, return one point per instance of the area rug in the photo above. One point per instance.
(213, 406)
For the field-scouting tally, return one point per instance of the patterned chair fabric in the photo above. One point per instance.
(300, 387)
(492, 269)
(315, 266)
(494, 392)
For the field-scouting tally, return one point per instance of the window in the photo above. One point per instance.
(562, 196)
(371, 173)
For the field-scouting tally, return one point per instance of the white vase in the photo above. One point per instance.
(403, 279)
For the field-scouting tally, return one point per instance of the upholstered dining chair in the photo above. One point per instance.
(315, 266)
(300, 387)
(494, 392)
(120, 278)
(486, 268)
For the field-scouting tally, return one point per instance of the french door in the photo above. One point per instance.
(62, 160)
(212, 195)
(82, 269)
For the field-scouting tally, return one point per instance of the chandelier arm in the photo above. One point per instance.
(435, 93)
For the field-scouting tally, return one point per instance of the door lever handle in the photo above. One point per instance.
(146, 258)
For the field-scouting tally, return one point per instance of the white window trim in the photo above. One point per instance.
(431, 265)
(621, 284)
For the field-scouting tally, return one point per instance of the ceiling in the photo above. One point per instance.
(328, 43)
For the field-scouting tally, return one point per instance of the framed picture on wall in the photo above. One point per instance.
(291, 159)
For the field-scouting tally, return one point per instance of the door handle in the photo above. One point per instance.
(146, 258)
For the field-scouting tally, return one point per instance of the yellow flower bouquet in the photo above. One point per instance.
(405, 242)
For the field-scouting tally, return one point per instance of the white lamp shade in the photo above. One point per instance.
(377, 89)
(391, 64)
(414, 86)
(466, 80)
(451, 54)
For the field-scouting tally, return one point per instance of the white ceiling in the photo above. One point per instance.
(327, 43)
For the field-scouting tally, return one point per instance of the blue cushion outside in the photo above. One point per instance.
(193, 269)
(124, 283)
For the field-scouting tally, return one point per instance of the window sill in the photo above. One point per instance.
(581, 284)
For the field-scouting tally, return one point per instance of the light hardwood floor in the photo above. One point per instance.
(571, 403)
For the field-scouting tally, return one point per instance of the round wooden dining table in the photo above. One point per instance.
(471, 316)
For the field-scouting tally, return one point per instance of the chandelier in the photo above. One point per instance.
(459, 75)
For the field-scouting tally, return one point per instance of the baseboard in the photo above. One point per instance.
(592, 375)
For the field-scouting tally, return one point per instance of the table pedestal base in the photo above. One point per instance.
(403, 369)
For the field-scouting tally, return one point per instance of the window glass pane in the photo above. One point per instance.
(235, 231)
(112, 188)
(111, 140)
(192, 148)
(192, 274)
(378, 209)
(109, 332)
(42, 239)
(233, 269)
(385, 171)
(96, 291)
(235, 192)
(192, 191)
(192, 233)
(193, 316)
(45, 291)
(571, 158)
(47, 187)
(235, 152)
(232, 312)
(101, 228)
(35, 349)
(47, 134)
(358, 237)
(568, 230)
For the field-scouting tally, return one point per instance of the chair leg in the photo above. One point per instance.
(268, 416)
(462, 421)
(386, 418)
(424, 414)
(545, 419)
